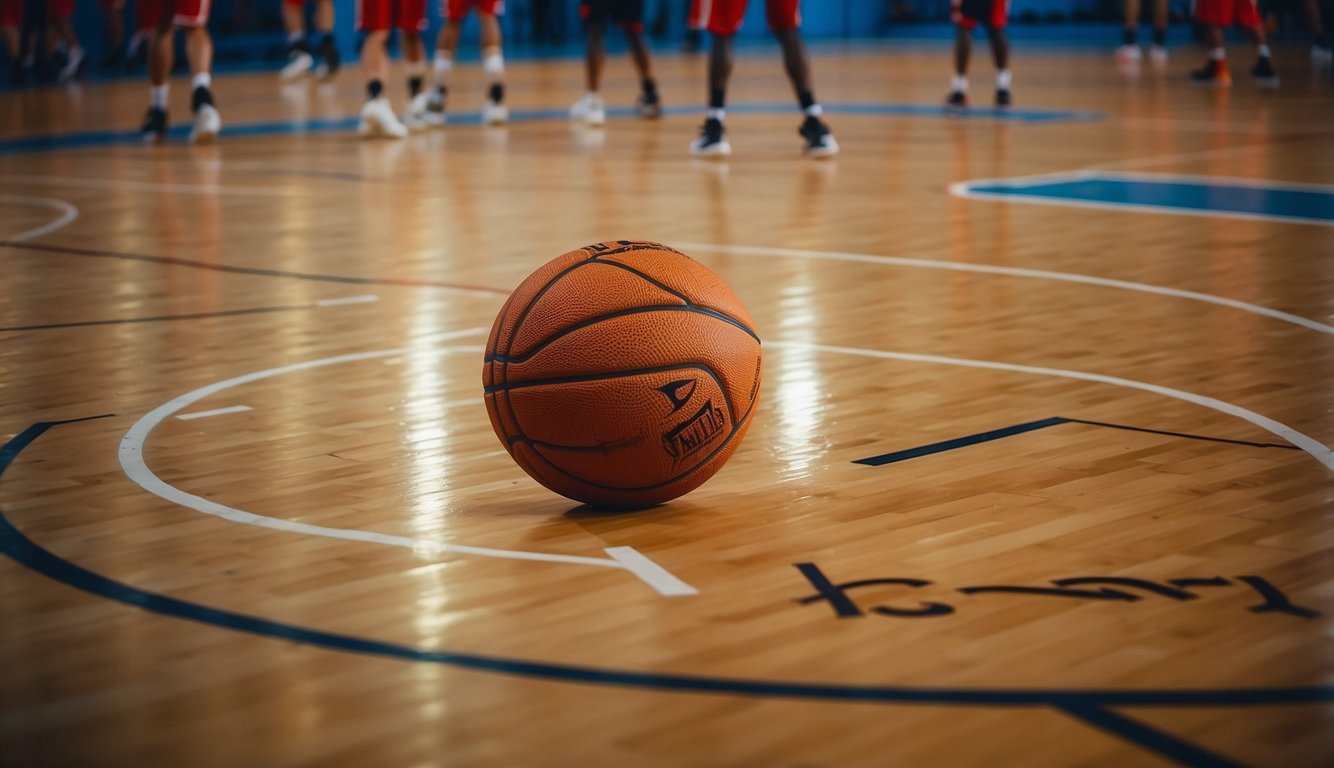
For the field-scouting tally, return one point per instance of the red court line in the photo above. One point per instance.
(177, 262)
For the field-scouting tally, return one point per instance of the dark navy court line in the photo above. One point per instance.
(348, 124)
(959, 442)
(1080, 702)
(1019, 429)
(1165, 744)
(158, 318)
(1187, 435)
(176, 262)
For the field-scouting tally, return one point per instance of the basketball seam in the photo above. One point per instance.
(727, 398)
(682, 296)
(736, 427)
(544, 343)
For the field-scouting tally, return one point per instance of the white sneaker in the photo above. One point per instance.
(298, 65)
(434, 115)
(495, 114)
(1158, 54)
(1321, 55)
(378, 119)
(207, 124)
(1127, 54)
(589, 110)
(415, 119)
(74, 67)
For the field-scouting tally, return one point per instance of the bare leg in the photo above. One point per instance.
(720, 70)
(963, 48)
(199, 50)
(595, 56)
(375, 60)
(294, 21)
(324, 15)
(161, 53)
(1129, 33)
(1000, 47)
(794, 59)
(639, 51)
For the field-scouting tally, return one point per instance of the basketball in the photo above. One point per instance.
(622, 374)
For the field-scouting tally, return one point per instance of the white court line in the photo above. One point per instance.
(131, 455)
(214, 412)
(365, 298)
(1041, 274)
(1316, 449)
(68, 214)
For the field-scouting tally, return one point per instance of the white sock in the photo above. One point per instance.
(493, 63)
(959, 83)
(295, 37)
(157, 96)
(202, 80)
(442, 65)
(1217, 54)
(1263, 51)
(814, 110)
(1003, 80)
(715, 113)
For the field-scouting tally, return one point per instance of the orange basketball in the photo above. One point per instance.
(623, 374)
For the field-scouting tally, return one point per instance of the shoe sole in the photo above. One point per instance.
(721, 149)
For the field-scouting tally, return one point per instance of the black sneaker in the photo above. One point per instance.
(1003, 98)
(154, 130)
(1264, 73)
(819, 141)
(1214, 73)
(957, 101)
(199, 97)
(711, 142)
(330, 60)
(647, 105)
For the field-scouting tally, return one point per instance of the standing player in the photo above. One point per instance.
(723, 19)
(966, 15)
(162, 18)
(1129, 51)
(1217, 14)
(429, 109)
(58, 13)
(629, 15)
(300, 54)
(377, 18)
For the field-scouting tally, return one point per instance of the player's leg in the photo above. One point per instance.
(376, 18)
(411, 23)
(631, 19)
(1000, 51)
(1320, 50)
(1214, 15)
(326, 49)
(963, 50)
(113, 22)
(817, 138)
(1129, 51)
(299, 56)
(11, 21)
(446, 49)
(192, 16)
(1248, 17)
(59, 18)
(1158, 51)
(154, 18)
(493, 62)
(589, 108)
(722, 18)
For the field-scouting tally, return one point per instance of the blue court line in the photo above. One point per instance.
(1163, 743)
(1019, 429)
(1228, 198)
(1082, 703)
(50, 142)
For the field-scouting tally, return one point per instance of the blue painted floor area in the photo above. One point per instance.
(1277, 201)
(179, 132)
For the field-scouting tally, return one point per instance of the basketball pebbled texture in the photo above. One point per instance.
(622, 374)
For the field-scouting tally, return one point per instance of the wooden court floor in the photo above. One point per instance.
(1030, 484)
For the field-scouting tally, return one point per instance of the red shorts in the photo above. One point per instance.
(1223, 13)
(60, 9)
(723, 17)
(186, 13)
(384, 15)
(295, 3)
(11, 13)
(112, 3)
(455, 10)
(970, 13)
